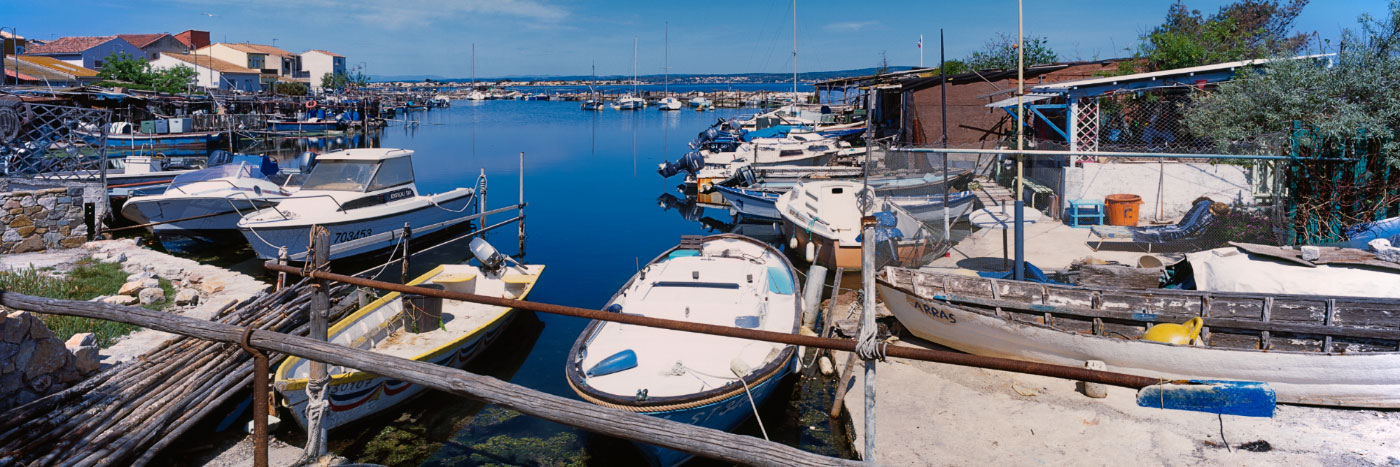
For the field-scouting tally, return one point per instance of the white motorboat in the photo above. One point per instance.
(629, 102)
(668, 103)
(363, 197)
(205, 205)
(823, 220)
(706, 380)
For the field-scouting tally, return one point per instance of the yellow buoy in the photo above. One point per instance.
(1175, 334)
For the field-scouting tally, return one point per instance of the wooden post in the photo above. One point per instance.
(282, 260)
(867, 324)
(320, 303)
(407, 234)
(520, 225)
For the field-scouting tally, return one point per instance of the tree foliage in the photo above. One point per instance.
(1000, 53)
(1336, 96)
(344, 79)
(291, 89)
(125, 68)
(1242, 30)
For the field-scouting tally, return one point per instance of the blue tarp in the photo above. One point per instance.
(776, 131)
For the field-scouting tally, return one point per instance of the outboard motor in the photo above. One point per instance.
(306, 161)
(691, 162)
(491, 260)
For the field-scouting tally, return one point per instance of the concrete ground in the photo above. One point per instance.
(935, 414)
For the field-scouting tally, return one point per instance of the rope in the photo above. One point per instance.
(668, 407)
(315, 408)
(754, 405)
(868, 347)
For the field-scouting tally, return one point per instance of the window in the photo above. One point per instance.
(392, 172)
(97, 63)
(790, 153)
(340, 175)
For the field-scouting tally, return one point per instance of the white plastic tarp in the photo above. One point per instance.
(1231, 270)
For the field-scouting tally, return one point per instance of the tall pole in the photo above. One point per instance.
(794, 58)
(316, 383)
(942, 102)
(940, 50)
(666, 64)
(1020, 271)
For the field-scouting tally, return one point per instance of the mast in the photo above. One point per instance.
(794, 58)
(666, 63)
(634, 67)
(473, 66)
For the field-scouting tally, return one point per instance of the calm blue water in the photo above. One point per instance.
(594, 214)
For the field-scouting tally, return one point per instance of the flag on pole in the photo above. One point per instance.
(921, 41)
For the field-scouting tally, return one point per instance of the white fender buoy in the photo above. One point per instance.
(811, 251)
(792, 242)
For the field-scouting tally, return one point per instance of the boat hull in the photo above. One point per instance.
(303, 127)
(830, 252)
(1353, 380)
(199, 140)
(194, 234)
(356, 400)
(750, 203)
(353, 237)
(724, 415)
(931, 209)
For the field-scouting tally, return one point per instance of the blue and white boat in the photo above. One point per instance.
(363, 197)
(724, 279)
(151, 142)
(202, 208)
(753, 203)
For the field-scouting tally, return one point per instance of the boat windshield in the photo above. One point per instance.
(340, 175)
(232, 170)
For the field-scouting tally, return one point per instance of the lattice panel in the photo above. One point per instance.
(1086, 131)
(52, 141)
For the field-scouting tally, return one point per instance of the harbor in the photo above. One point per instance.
(242, 255)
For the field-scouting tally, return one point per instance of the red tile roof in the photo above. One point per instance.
(141, 40)
(70, 45)
(333, 54)
(259, 49)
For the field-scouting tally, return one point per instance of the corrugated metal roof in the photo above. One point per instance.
(1067, 85)
(38, 68)
(59, 66)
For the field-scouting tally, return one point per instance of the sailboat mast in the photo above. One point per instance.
(634, 66)
(473, 66)
(794, 57)
(666, 63)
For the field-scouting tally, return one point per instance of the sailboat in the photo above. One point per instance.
(668, 102)
(475, 95)
(592, 103)
(631, 101)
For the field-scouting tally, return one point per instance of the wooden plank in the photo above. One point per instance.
(1119, 277)
(1331, 311)
(698, 440)
(1268, 315)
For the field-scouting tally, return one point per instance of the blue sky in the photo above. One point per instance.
(562, 37)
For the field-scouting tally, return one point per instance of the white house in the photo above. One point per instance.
(318, 63)
(212, 72)
(87, 52)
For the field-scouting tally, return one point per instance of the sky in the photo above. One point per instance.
(565, 37)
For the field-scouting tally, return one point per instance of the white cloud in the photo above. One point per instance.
(849, 26)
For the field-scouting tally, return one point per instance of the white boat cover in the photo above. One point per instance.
(1231, 270)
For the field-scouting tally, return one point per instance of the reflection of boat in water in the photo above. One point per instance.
(406, 327)
(727, 280)
(754, 227)
(306, 126)
(210, 201)
(363, 197)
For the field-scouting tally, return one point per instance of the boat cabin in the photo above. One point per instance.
(362, 171)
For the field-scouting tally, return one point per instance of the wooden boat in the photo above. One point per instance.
(305, 126)
(1315, 350)
(384, 327)
(823, 219)
(723, 279)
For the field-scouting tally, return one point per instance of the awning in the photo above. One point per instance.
(1029, 98)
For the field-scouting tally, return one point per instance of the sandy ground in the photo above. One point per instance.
(933, 414)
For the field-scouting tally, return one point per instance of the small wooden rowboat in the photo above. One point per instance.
(1314, 350)
(383, 326)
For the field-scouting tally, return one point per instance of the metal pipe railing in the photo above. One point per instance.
(1156, 155)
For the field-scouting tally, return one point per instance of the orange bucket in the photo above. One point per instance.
(1123, 209)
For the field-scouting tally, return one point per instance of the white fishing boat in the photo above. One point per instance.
(1311, 349)
(668, 103)
(706, 380)
(203, 207)
(408, 329)
(823, 220)
(363, 197)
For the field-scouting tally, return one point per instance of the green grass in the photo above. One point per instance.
(88, 280)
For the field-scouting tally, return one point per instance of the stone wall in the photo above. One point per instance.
(34, 363)
(36, 218)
